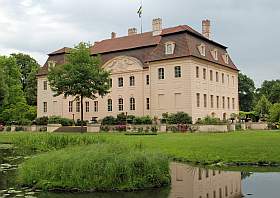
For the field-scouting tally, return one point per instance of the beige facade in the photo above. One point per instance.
(191, 84)
(195, 182)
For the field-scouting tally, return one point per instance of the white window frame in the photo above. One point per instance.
(178, 71)
(87, 106)
(120, 82)
(120, 102)
(110, 105)
(169, 48)
(132, 104)
(161, 73)
(131, 81)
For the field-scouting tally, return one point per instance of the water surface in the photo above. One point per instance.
(187, 182)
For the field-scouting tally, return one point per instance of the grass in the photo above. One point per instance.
(238, 147)
(98, 167)
(46, 142)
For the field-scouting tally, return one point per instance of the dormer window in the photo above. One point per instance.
(169, 48)
(51, 64)
(215, 54)
(202, 49)
(226, 58)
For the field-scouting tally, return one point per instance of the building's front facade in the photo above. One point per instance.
(166, 70)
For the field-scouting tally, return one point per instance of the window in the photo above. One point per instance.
(87, 106)
(218, 102)
(120, 82)
(207, 173)
(45, 104)
(169, 48)
(120, 104)
(228, 78)
(233, 103)
(161, 73)
(147, 79)
(223, 78)
(177, 71)
(197, 72)
(215, 54)
(214, 172)
(220, 193)
(214, 194)
(51, 64)
(202, 49)
(110, 82)
(95, 106)
(212, 101)
(78, 104)
(110, 105)
(148, 103)
(70, 106)
(205, 100)
(204, 74)
(226, 58)
(198, 99)
(228, 102)
(232, 80)
(223, 102)
(211, 75)
(217, 76)
(45, 85)
(132, 104)
(132, 81)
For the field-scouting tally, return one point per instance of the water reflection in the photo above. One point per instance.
(192, 182)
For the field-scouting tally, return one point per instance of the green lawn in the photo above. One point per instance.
(250, 147)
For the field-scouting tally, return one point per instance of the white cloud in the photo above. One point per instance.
(249, 28)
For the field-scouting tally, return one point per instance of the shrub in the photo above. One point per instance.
(208, 120)
(100, 167)
(179, 118)
(79, 122)
(8, 128)
(120, 128)
(60, 120)
(238, 126)
(109, 120)
(130, 119)
(42, 120)
(143, 120)
(19, 128)
(121, 119)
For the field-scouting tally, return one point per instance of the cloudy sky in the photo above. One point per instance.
(250, 28)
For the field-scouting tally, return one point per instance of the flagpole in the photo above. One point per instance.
(141, 18)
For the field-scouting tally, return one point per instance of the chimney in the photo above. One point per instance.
(157, 26)
(113, 35)
(132, 31)
(206, 28)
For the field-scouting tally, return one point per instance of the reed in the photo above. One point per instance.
(97, 167)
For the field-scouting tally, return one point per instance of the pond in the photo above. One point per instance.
(187, 182)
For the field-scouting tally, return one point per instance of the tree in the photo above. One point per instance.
(246, 91)
(13, 104)
(263, 106)
(82, 76)
(28, 69)
(271, 89)
(275, 113)
(3, 88)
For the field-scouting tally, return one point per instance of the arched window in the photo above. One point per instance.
(132, 104)
(110, 105)
(120, 104)
(132, 81)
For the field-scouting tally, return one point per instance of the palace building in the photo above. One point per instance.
(165, 70)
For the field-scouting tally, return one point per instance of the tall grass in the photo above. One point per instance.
(98, 167)
(47, 142)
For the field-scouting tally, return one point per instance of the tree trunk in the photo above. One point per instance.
(82, 114)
